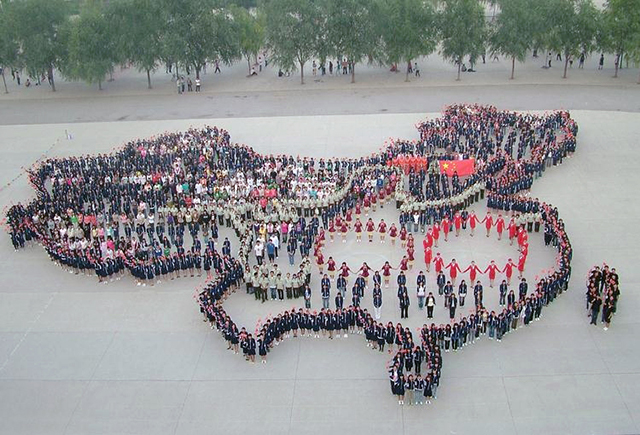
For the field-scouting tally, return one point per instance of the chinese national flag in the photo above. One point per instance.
(462, 167)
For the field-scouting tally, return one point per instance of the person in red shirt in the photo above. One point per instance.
(457, 222)
(488, 223)
(508, 270)
(366, 202)
(382, 230)
(343, 230)
(411, 242)
(521, 263)
(374, 199)
(513, 230)
(370, 226)
(403, 237)
(331, 229)
(523, 237)
(436, 233)
(445, 228)
(404, 264)
(320, 262)
(500, 226)
(364, 271)
(349, 216)
(358, 210)
(386, 272)
(438, 263)
(454, 269)
(410, 255)
(473, 221)
(331, 267)
(492, 269)
(358, 229)
(344, 270)
(393, 233)
(473, 270)
(428, 256)
(428, 239)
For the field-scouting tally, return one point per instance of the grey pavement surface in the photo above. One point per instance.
(77, 357)
(231, 94)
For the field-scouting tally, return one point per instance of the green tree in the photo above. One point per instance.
(38, 26)
(90, 48)
(621, 30)
(462, 30)
(352, 31)
(574, 28)
(408, 30)
(513, 32)
(291, 31)
(250, 31)
(138, 30)
(8, 45)
(197, 33)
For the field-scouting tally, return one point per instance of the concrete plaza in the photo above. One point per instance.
(77, 357)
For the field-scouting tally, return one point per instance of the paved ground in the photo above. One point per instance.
(78, 358)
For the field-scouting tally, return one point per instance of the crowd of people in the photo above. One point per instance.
(603, 292)
(155, 206)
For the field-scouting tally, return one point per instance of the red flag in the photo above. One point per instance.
(462, 167)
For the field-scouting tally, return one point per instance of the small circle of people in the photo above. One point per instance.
(603, 291)
(156, 206)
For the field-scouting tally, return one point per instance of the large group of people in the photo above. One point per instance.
(603, 292)
(155, 208)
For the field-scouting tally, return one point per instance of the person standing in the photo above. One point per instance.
(325, 286)
(404, 304)
(377, 301)
(431, 303)
(595, 310)
(503, 292)
(462, 292)
(453, 304)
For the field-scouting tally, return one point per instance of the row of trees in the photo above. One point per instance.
(41, 36)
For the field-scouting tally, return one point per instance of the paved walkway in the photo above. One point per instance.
(77, 357)
(232, 94)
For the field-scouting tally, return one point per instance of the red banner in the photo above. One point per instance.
(462, 167)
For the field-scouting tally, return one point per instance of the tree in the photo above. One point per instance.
(90, 50)
(462, 30)
(38, 26)
(513, 35)
(138, 29)
(196, 33)
(352, 30)
(574, 28)
(408, 30)
(291, 31)
(250, 31)
(8, 45)
(621, 29)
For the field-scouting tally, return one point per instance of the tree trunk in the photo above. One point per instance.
(148, 79)
(513, 67)
(353, 72)
(459, 66)
(4, 80)
(566, 64)
(248, 64)
(301, 72)
(615, 74)
(99, 85)
(53, 82)
(406, 79)
(638, 76)
(198, 72)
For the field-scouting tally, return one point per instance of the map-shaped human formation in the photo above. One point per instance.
(154, 208)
